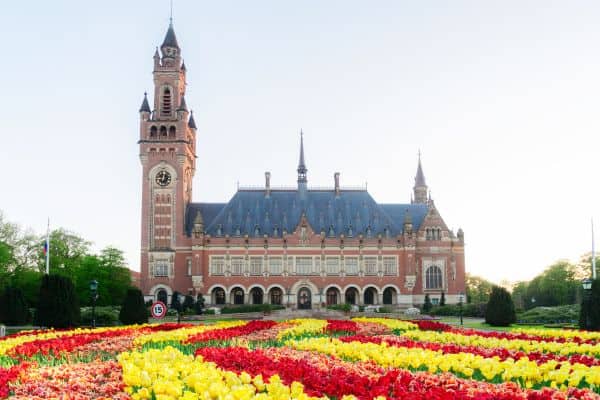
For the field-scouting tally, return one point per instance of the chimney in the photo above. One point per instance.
(336, 178)
(267, 184)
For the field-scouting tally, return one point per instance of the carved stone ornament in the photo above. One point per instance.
(197, 281)
(410, 282)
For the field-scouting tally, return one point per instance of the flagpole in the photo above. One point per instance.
(593, 252)
(48, 248)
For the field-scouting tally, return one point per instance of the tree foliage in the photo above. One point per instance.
(22, 264)
(500, 310)
(58, 305)
(558, 285)
(478, 289)
(442, 299)
(133, 310)
(199, 305)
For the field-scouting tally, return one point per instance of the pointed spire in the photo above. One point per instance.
(182, 105)
(170, 38)
(301, 165)
(156, 53)
(420, 177)
(145, 106)
(191, 122)
(183, 68)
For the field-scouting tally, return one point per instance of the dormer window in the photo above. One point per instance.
(331, 231)
(238, 231)
(220, 230)
(256, 230)
(369, 232)
(275, 231)
(350, 233)
(386, 232)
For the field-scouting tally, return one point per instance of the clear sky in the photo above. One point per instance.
(501, 97)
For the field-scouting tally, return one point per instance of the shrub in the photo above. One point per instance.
(13, 308)
(549, 315)
(383, 310)
(199, 305)
(427, 304)
(133, 310)
(175, 303)
(188, 303)
(500, 310)
(105, 316)
(591, 309)
(58, 305)
(443, 299)
(246, 308)
(474, 310)
(340, 307)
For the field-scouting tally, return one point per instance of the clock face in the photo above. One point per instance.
(163, 178)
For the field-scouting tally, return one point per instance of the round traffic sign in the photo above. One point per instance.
(158, 309)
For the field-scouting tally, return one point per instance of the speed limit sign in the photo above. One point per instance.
(158, 309)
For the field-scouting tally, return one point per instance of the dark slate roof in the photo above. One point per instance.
(182, 106)
(208, 210)
(170, 39)
(145, 106)
(351, 213)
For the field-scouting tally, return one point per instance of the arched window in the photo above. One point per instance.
(153, 132)
(433, 277)
(219, 294)
(388, 295)
(276, 295)
(369, 296)
(256, 294)
(332, 296)
(163, 131)
(166, 103)
(172, 132)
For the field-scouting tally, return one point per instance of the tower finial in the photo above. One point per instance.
(420, 188)
(301, 165)
(171, 17)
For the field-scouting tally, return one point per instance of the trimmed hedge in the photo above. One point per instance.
(500, 310)
(134, 310)
(247, 308)
(105, 316)
(13, 308)
(473, 310)
(58, 305)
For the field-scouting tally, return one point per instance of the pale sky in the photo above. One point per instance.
(501, 97)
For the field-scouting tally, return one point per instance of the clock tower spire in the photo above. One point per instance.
(167, 145)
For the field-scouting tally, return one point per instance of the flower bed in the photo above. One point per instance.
(363, 359)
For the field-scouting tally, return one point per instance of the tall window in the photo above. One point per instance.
(237, 265)
(256, 265)
(217, 265)
(166, 103)
(189, 267)
(351, 265)
(371, 265)
(433, 277)
(303, 265)
(390, 266)
(275, 266)
(161, 269)
(333, 265)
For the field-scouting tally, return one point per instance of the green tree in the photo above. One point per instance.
(478, 289)
(133, 310)
(500, 310)
(443, 299)
(427, 304)
(188, 303)
(58, 305)
(13, 308)
(519, 294)
(28, 280)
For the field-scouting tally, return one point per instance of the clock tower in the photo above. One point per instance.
(167, 153)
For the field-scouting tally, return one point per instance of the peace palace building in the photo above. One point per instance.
(301, 247)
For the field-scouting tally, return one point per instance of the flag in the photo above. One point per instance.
(46, 246)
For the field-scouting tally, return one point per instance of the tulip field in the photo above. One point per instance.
(362, 358)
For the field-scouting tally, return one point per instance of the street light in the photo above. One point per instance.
(94, 295)
(587, 296)
(460, 306)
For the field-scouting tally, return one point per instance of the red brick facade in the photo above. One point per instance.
(394, 258)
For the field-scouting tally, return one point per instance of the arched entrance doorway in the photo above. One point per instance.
(237, 295)
(218, 296)
(276, 295)
(370, 296)
(256, 295)
(161, 295)
(351, 296)
(304, 299)
(389, 296)
(332, 296)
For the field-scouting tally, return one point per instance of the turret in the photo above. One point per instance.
(145, 108)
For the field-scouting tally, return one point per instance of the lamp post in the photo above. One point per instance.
(460, 306)
(94, 295)
(587, 295)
